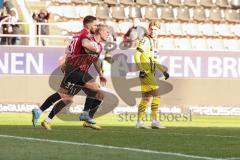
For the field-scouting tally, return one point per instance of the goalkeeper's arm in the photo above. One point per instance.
(162, 69)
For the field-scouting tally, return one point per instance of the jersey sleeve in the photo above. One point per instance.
(160, 67)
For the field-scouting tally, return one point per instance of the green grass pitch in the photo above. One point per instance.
(205, 137)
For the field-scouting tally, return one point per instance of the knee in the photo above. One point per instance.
(66, 98)
(67, 101)
(100, 95)
(95, 86)
(146, 99)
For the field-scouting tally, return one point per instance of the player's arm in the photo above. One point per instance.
(98, 67)
(87, 44)
(162, 69)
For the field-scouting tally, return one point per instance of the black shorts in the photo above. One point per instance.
(74, 80)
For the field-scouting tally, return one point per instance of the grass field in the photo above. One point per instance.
(215, 137)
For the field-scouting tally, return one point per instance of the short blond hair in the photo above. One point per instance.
(100, 27)
(154, 23)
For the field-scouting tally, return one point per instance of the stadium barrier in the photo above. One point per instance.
(208, 82)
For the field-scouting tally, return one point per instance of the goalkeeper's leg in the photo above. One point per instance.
(154, 109)
(141, 111)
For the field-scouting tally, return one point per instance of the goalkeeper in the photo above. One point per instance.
(146, 59)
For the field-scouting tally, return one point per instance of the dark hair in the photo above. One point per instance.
(88, 19)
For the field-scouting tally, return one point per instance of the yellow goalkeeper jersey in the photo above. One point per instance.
(146, 55)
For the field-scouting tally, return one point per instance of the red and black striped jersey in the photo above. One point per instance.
(78, 57)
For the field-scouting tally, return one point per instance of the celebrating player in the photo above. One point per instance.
(83, 51)
(147, 62)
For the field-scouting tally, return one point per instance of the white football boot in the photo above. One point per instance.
(140, 125)
(156, 125)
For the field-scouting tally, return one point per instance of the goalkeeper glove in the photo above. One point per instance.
(166, 75)
(142, 74)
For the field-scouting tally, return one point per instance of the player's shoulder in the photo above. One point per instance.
(89, 36)
(144, 40)
(83, 34)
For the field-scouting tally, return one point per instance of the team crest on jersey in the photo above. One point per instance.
(142, 41)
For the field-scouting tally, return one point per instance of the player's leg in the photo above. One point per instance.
(92, 103)
(154, 108)
(53, 98)
(147, 85)
(146, 97)
(156, 96)
(94, 96)
(90, 88)
(48, 102)
(66, 100)
(67, 90)
(142, 108)
(90, 108)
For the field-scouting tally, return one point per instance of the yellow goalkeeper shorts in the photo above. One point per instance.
(149, 83)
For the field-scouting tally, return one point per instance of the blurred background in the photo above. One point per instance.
(199, 43)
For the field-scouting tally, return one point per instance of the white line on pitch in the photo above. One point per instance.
(186, 134)
(111, 147)
(207, 135)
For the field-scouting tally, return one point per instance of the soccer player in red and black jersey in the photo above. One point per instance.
(83, 51)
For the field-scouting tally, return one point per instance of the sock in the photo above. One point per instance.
(95, 105)
(88, 104)
(85, 113)
(48, 120)
(141, 109)
(154, 107)
(56, 109)
(49, 101)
